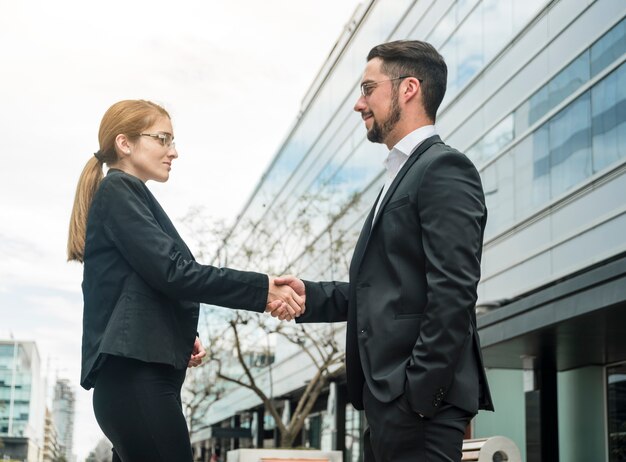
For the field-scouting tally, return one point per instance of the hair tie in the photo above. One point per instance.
(99, 155)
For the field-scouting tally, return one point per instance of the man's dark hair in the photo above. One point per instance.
(417, 59)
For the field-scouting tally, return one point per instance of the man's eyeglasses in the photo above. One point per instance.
(368, 87)
(166, 139)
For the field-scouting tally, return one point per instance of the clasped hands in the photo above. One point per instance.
(286, 298)
(285, 301)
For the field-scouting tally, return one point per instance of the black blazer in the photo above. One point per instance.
(141, 285)
(412, 291)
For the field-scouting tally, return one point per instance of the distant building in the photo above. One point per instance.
(63, 411)
(51, 447)
(22, 402)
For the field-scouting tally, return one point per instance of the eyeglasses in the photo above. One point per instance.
(166, 139)
(368, 87)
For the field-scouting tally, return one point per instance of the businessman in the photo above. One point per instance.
(413, 358)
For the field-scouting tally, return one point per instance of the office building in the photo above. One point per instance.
(22, 402)
(63, 412)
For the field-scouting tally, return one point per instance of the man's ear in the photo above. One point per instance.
(122, 144)
(412, 88)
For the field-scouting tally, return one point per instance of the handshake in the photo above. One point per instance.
(285, 298)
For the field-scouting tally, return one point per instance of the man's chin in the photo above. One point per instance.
(373, 135)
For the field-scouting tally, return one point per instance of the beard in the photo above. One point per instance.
(379, 132)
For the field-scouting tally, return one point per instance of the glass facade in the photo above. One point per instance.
(355, 424)
(616, 407)
(328, 162)
(326, 159)
(582, 139)
(605, 52)
(15, 389)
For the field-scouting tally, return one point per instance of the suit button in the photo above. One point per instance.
(363, 331)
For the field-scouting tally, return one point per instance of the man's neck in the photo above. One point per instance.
(403, 129)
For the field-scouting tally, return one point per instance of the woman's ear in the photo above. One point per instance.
(122, 144)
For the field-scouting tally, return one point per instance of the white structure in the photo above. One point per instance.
(63, 412)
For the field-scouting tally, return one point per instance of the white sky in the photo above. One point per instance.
(232, 74)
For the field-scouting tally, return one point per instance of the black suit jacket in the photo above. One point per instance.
(141, 285)
(412, 291)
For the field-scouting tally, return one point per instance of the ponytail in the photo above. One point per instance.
(88, 183)
(129, 117)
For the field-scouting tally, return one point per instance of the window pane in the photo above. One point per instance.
(504, 214)
(493, 142)
(498, 137)
(608, 48)
(470, 46)
(463, 7)
(539, 105)
(568, 80)
(608, 112)
(498, 25)
(541, 167)
(570, 145)
(444, 29)
(616, 407)
(524, 11)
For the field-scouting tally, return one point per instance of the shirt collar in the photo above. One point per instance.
(408, 144)
(403, 148)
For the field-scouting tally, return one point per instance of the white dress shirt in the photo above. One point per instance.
(400, 154)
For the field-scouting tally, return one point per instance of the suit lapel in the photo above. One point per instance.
(422, 148)
(363, 237)
(370, 222)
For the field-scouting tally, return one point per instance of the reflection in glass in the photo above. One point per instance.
(462, 8)
(444, 28)
(616, 412)
(493, 142)
(610, 47)
(570, 145)
(354, 430)
(608, 112)
(568, 80)
(470, 48)
(498, 21)
(536, 148)
(538, 105)
(524, 11)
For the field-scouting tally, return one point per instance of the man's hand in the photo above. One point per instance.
(197, 353)
(281, 310)
(283, 298)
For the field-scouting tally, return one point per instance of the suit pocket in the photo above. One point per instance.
(397, 203)
(407, 316)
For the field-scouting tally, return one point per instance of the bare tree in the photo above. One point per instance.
(202, 388)
(236, 341)
(101, 453)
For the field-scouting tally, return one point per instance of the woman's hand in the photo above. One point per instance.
(197, 353)
(284, 298)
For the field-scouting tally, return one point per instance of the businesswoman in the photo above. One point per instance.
(142, 288)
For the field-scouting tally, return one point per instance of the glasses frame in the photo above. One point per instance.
(163, 139)
(368, 87)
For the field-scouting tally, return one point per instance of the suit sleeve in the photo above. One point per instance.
(155, 256)
(452, 213)
(325, 302)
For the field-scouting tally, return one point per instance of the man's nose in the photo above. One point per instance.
(360, 105)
